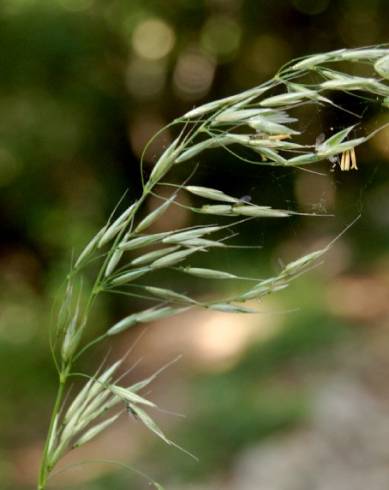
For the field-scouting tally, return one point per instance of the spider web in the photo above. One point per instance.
(341, 200)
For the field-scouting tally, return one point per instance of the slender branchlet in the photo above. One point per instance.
(264, 121)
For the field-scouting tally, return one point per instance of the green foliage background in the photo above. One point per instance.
(77, 99)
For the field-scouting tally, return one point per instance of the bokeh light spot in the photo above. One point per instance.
(23, 319)
(221, 37)
(153, 39)
(145, 78)
(193, 75)
(266, 54)
(359, 25)
(142, 128)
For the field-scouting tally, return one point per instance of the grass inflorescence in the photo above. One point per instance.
(263, 120)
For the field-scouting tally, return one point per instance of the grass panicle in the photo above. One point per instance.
(263, 121)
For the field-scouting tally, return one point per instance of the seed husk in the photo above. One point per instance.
(260, 123)
(150, 424)
(129, 396)
(210, 193)
(259, 212)
(303, 159)
(204, 145)
(235, 116)
(312, 61)
(264, 288)
(203, 243)
(129, 276)
(155, 254)
(89, 247)
(168, 294)
(382, 67)
(172, 258)
(288, 98)
(304, 261)
(142, 317)
(165, 162)
(208, 273)
(229, 308)
(211, 106)
(154, 215)
(182, 236)
(157, 314)
(94, 431)
(362, 54)
(116, 226)
(124, 324)
(72, 335)
(113, 261)
(142, 241)
(217, 209)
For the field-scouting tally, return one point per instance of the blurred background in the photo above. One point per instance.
(296, 398)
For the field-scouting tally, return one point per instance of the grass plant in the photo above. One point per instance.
(260, 126)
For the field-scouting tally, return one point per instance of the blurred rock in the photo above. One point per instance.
(344, 447)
